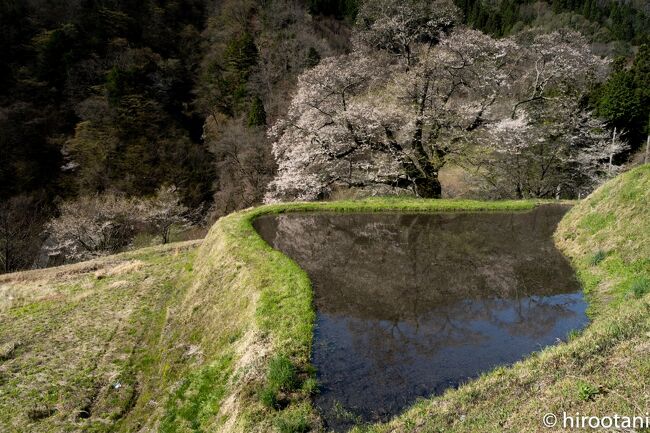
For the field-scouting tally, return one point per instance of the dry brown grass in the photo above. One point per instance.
(75, 339)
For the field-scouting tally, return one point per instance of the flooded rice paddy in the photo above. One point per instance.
(409, 305)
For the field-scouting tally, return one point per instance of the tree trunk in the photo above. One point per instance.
(611, 155)
(428, 187)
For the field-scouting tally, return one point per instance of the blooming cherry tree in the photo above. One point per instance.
(546, 152)
(415, 94)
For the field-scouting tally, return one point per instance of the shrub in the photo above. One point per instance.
(21, 220)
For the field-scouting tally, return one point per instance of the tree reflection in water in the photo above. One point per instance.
(411, 304)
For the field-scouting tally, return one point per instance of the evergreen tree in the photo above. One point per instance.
(624, 100)
(239, 57)
(337, 8)
(623, 21)
(241, 54)
(619, 102)
(313, 57)
(256, 113)
(641, 71)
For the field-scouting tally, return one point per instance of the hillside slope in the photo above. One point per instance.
(608, 238)
(82, 345)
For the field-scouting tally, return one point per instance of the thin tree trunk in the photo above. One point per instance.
(611, 155)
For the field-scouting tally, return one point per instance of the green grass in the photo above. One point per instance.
(282, 374)
(197, 399)
(587, 391)
(219, 338)
(607, 238)
(83, 342)
(268, 298)
(281, 377)
(310, 386)
(598, 257)
(295, 420)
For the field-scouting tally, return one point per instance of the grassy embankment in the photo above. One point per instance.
(268, 307)
(169, 338)
(221, 342)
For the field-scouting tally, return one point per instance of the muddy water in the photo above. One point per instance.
(409, 305)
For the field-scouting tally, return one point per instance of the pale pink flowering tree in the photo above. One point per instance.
(392, 113)
(547, 152)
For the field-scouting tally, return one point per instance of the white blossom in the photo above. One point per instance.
(415, 94)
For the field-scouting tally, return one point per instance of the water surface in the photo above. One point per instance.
(409, 305)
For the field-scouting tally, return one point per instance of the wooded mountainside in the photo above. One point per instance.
(604, 21)
(124, 97)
